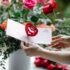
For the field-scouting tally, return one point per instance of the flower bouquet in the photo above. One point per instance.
(31, 13)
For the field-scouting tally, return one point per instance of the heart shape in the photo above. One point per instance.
(30, 29)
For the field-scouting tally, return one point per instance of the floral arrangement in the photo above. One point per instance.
(41, 13)
(24, 11)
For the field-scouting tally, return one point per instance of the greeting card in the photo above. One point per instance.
(17, 31)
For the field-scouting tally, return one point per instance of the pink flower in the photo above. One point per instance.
(6, 2)
(29, 4)
(41, 1)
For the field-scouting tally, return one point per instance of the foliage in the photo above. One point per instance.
(16, 11)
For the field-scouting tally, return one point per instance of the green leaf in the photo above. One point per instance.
(17, 14)
(43, 15)
(34, 19)
(25, 11)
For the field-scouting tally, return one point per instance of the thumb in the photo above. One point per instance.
(40, 47)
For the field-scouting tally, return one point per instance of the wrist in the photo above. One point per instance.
(41, 52)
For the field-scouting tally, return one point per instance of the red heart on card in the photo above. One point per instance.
(30, 29)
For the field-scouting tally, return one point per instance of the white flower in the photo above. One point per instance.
(5, 3)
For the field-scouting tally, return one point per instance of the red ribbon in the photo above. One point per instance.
(30, 29)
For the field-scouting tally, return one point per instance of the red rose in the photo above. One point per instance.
(47, 8)
(53, 3)
(51, 67)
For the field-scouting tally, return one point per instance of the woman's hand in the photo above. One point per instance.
(34, 49)
(31, 49)
(60, 41)
(57, 56)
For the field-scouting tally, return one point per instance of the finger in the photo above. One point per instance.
(54, 45)
(39, 47)
(26, 44)
(23, 45)
(59, 45)
(56, 37)
(56, 41)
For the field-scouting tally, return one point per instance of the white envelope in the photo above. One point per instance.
(17, 30)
